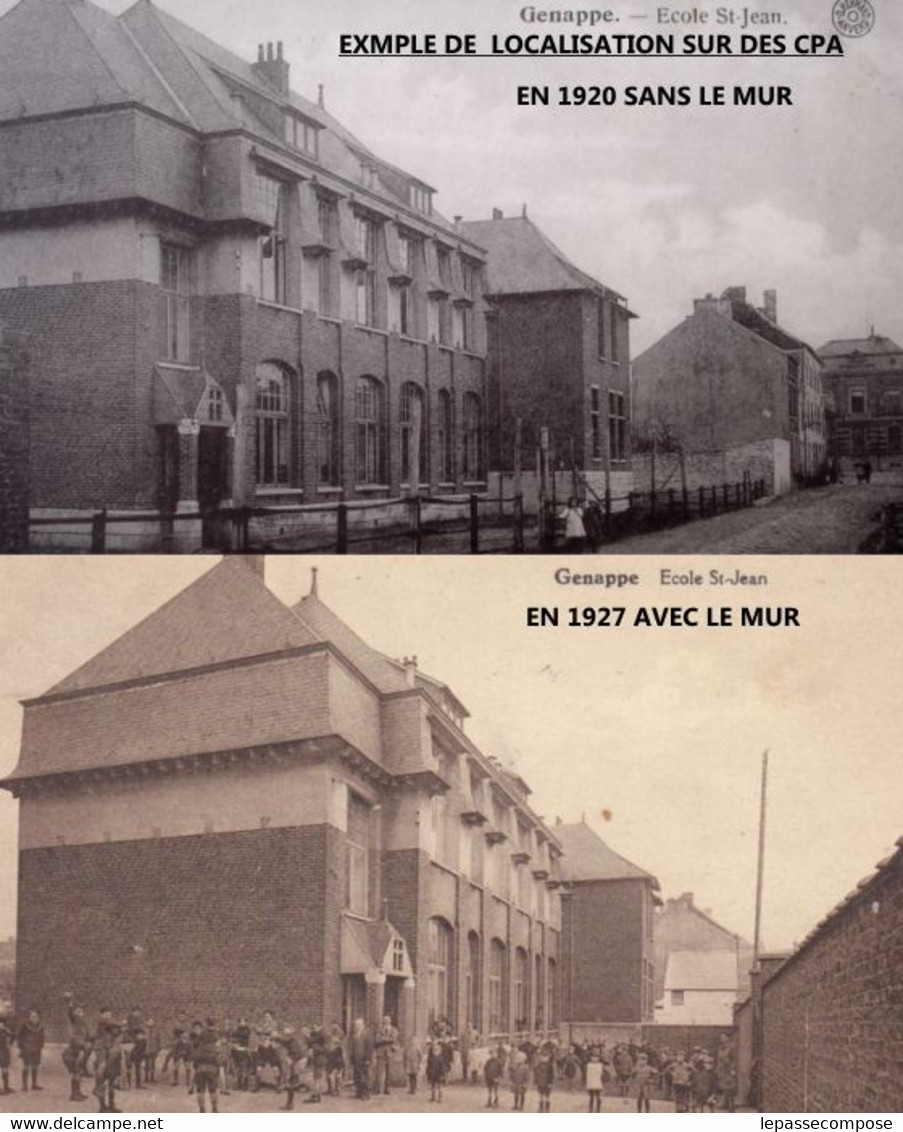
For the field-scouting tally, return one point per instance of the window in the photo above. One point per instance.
(468, 278)
(215, 403)
(595, 422)
(445, 438)
(397, 955)
(326, 214)
(301, 134)
(677, 998)
(858, 439)
(498, 987)
(521, 991)
(273, 416)
(472, 980)
(365, 239)
(602, 326)
(439, 969)
(357, 856)
(552, 995)
(443, 258)
(473, 437)
(421, 198)
(175, 284)
(369, 176)
(894, 440)
(617, 425)
(324, 287)
(327, 430)
(857, 402)
(328, 220)
(414, 462)
(614, 344)
(271, 203)
(537, 993)
(369, 412)
(892, 403)
(443, 847)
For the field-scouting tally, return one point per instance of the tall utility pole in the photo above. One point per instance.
(757, 938)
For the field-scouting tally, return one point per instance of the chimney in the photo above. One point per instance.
(497, 214)
(272, 67)
(734, 294)
(410, 670)
(708, 303)
(770, 305)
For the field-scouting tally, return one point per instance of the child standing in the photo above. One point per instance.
(492, 1074)
(643, 1077)
(6, 1039)
(435, 1071)
(30, 1040)
(594, 1080)
(519, 1075)
(413, 1055)
(543, 1077)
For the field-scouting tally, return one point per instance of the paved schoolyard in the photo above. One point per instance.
(166, 1098)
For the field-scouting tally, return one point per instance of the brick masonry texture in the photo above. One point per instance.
(14, 443)
(602, 934)
(230, 923)
(833, 1014)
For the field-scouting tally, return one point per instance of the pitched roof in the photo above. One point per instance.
(587, 857)
(876, 344)
(702, 970)
(61, 55)
(523, 260)
(226, 614)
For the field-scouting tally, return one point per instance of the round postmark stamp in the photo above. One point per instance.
(853, 17)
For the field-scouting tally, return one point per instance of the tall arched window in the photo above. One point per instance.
(473, 437)
(498, 987)
(473, 978)
(439, 969)
(273, 416)
(445, 437)
(369, 414)
(327, 429)
(538, 994)
(413, 435)
(521, 991)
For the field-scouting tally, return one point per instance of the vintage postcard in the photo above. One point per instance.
(491, 835)
(445, 278)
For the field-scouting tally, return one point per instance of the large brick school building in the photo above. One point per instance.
(240, 805)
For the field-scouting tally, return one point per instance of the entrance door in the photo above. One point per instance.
(354, 1000)
(212, 483)
(392, 1002)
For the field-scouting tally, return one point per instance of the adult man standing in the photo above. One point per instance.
(386, 1042)
(361, 1052)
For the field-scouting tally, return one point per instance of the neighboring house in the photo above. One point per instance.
(701, 988)
(559, 359)
(240, 805)
(681, 927)
(729, 396)
(230, 298)
(606, 932)
(864, 377)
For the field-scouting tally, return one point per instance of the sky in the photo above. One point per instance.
(662, 729)
(663, 204)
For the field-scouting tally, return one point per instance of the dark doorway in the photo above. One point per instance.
(212, 484)
(167, 469)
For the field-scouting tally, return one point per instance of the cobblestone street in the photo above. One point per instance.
(827, 520)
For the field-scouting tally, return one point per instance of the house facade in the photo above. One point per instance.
(607, 937)
(699, 965)
(728, 395)
(239, 805)
(559, 361)
(231, 299)
(864, 380)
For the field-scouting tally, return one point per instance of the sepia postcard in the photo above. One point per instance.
(380, 838)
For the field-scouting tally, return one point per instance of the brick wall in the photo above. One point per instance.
(602, 940)
(14, 443)
(229, 923)
(833, 1014)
